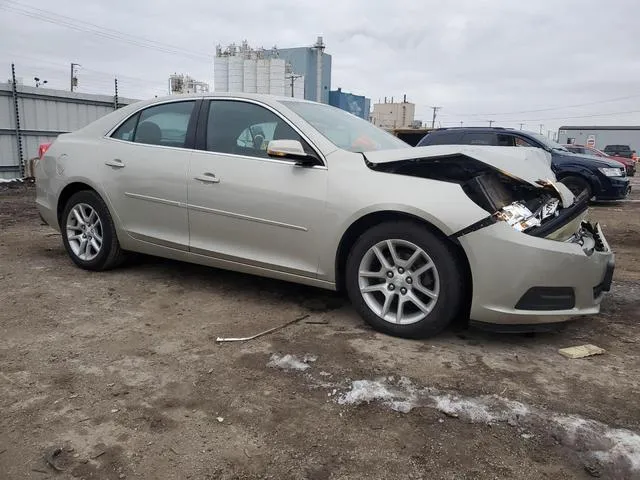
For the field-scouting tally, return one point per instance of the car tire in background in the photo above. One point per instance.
(578, 185)
(88, 232)
(403, 263)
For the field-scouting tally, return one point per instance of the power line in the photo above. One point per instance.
(617, 99)
(100, 31)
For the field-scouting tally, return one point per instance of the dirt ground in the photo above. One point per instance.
(118, 375)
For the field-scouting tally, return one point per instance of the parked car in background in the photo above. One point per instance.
(619, 151)
(629, 163)
(601, 178)
(308, 193)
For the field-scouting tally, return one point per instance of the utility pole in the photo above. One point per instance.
(548, 133)
(461, 122)
(115, 94)
(490, 123)
(541, 127)
(293, 77)
(521, 125)
(73, 79)
(433, 120)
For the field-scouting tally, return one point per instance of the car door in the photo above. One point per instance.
(144, 171)
(245, 206)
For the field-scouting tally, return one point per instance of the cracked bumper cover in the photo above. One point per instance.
(506, 264)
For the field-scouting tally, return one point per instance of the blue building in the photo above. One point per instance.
(357, 105)
(304, 61)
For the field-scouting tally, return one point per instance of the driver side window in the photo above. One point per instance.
(521, 142)
(243, 128)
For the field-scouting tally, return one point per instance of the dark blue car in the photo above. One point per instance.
(601, 178)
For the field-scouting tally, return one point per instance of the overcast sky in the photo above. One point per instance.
(479, 60)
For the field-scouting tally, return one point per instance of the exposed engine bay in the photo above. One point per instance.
(547, 209)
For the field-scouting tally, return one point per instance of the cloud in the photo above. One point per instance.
(472, 57)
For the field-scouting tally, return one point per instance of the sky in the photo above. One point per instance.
(542, 63)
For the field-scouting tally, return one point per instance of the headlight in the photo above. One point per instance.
(612, 172)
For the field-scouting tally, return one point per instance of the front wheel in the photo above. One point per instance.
(88, 232)
(404, 280)
(578, 186)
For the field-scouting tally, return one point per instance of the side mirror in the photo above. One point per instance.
(291, 149)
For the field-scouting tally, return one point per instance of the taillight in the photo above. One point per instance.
(42, 149)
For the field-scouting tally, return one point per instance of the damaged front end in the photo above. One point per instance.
(540, 207)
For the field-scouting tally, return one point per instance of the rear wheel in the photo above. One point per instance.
(578, 186)
(404, 280)
(88, 232)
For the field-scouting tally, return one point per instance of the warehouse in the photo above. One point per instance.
(601, 136)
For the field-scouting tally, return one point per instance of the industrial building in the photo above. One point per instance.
(357, 105)
(302, 72)
(600, 136)
(392, 115)
(180, 83)
(314, 65)
(244, 69)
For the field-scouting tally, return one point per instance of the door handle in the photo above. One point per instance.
(116, 162)
(208, 178)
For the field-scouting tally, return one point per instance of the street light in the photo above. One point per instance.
(39, 82)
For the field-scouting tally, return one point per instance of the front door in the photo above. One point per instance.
(143, 168)
(246, 207)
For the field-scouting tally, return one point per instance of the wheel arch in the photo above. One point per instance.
(67, 192)
(364, 223)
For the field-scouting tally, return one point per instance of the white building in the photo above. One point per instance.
(180, 83)
(244, 69)
(393, 115)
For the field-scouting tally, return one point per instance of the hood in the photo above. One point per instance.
(527, 164)
(595, 161)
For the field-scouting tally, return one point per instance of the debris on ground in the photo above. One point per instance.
(290, 362)
(581, 351)
(51, 457)
(244, 339)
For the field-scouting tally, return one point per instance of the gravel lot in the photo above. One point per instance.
(121, 371)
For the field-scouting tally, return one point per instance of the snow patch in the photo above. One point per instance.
(618, 449)
(400, 398)
(290, 362)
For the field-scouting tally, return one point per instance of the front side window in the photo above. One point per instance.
(164, 125)
(521, 142)
(243, 128)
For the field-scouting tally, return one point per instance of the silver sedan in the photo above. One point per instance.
(307, 193)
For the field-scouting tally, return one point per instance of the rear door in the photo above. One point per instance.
(144, 171)
(246, 207)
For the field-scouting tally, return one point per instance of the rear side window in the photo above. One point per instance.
(164, 125)
(127, 129)
(479, 138)
(440, 138)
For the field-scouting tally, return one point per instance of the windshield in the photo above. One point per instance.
(548, 143)
(345, 130)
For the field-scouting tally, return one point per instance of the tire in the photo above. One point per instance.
(445, 280)
(578, 185)
(109, 255)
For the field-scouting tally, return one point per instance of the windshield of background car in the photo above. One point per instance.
(345, 130)
(550, 144)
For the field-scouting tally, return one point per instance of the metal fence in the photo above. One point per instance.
(30, 116)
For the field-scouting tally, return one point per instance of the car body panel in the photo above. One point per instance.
(629, 163)
(281, 220)
(268, 213)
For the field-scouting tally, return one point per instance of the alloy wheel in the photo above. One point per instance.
(84, 232)
(398, 281)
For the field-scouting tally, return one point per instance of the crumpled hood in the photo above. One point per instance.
(527, 164)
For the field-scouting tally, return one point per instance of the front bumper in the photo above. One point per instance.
(614, 188)
(506, 265)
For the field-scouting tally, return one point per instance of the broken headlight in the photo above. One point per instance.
(519, 216)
